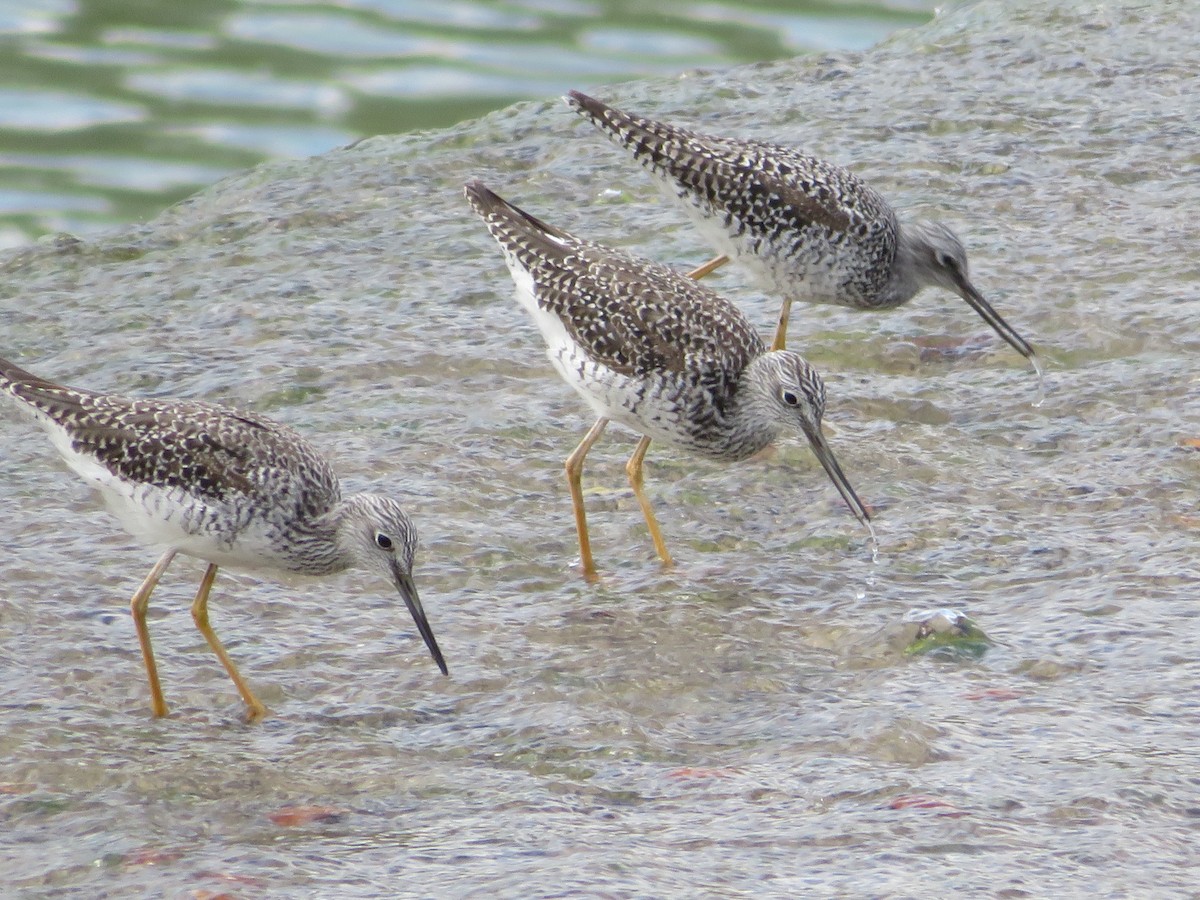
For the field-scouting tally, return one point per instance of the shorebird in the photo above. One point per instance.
(230, 487)
(650, 348)
(810, 230)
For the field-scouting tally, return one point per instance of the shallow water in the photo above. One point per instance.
(111, 111)
(748, 721)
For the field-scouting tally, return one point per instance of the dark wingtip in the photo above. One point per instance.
(488, 204)
(479, 194)
(11, 372)
(583, 104)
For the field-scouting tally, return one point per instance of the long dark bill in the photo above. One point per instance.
(967, 291)
(821, 448)
(408, 590)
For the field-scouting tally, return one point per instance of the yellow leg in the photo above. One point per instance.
(137, 607)
(574, 469)
(780, 341)
(200, 614)
(633, 469)
(709, 267)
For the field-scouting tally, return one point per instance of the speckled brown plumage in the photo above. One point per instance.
(228, 487)
(630, 316)
(212, 452)
(809, 229)
(654, 350)
(771, 203)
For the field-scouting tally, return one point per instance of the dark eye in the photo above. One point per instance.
(948, 262)
(383, 542)
(790, 399)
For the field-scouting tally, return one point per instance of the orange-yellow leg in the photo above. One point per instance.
(780, 341)
(633, 469)
(137, 607)
(255, 709)
(574, 469)
(709, 267)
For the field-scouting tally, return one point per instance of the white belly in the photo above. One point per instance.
(173, 518)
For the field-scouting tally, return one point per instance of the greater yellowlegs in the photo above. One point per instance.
(810, 230)
(230, 487)
(650, 348)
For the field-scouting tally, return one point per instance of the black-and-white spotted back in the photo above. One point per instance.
(646, 345)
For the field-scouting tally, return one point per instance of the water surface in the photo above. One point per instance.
(747, 722)
(111, 111)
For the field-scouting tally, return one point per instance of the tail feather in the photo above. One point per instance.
(764, 188)
(656, 145)
(11, 373)
(20, 383)
(522, 236)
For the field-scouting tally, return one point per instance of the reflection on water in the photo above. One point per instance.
(110, 111)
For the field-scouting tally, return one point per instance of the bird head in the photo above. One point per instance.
(379, 536)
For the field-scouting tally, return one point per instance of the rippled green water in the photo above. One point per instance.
(109, 111)
(748, 722)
